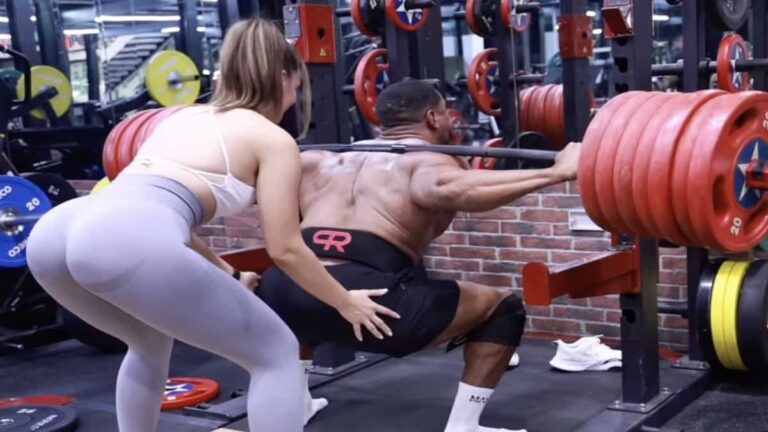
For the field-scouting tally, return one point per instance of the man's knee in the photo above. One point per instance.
(504, 326)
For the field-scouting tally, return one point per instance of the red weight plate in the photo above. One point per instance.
(604, 169)
(488, 163)
(732, 48)
(550, 117)
(108, 150)
(355, 8)
(36, 400)
(640, 170)
(629, 145)
(406, 20)
(556, 117)
(525, 107)
(725, 213)
(152, 124)
(668, 168)
(561, 138)
(113, 144)
(470, 17)
(367, 77)
(590, 151)
(537, 114)
(187, 392)
(129, 137)
(518, 21)
(480, 83)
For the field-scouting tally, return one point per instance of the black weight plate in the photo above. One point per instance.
(373, 15)
(753, 317)
(55, 186)
(703, 329)
(530, 141)
(485, 13)
(38, 418)
(728, 14)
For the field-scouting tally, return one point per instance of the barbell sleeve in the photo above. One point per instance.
(10, 221)
(183, 79)
(513, 78)
(419, 4)
(528, 7)
(453, 150)
(709, 67)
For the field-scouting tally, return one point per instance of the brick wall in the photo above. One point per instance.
(492, 248)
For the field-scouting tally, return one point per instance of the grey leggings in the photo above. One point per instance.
(120, 261)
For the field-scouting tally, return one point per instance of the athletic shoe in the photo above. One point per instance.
(586, 354)
(514, 361)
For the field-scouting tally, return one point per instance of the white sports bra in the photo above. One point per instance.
(232, 194)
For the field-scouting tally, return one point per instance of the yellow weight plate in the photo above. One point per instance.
(100, 185)
(163, 69)
(731, 313)
(716, 311)
(44, 77)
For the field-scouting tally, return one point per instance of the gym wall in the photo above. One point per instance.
(491, 248)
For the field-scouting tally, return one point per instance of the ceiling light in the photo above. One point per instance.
(137, 18)
(76, 32)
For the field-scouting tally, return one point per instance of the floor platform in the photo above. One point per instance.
(413, 394)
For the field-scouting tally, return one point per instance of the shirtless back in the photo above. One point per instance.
(372, 192)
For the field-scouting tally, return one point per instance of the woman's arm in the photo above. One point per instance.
(198, 245)
(277, 190)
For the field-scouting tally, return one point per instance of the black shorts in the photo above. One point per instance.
(426, 306)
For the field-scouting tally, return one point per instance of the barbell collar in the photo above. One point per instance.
(452, 150)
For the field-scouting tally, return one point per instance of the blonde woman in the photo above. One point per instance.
(127, 262)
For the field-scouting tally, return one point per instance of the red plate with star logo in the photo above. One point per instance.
(733, 48)
(406, 20)
(725, 213)
(187, 392)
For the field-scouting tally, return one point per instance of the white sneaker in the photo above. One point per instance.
(586, 354)
(514, 361)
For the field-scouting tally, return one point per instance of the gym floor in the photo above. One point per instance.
(411, 394)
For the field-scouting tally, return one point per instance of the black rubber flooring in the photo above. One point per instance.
(740, 405)
(412, 394)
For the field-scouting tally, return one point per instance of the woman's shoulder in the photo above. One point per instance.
(250, 125)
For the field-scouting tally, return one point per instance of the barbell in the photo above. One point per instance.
(733, 61)
(689, 168)
(452, 150)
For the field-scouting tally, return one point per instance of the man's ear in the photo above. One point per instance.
(431, 119)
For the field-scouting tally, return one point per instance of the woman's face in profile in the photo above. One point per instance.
(291, 84)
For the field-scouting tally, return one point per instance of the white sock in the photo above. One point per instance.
(467, 408)
(311, 406)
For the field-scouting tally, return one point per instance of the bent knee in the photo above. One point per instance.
(281, 349)
(504, 326)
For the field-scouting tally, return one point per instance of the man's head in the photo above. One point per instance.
(413, 106)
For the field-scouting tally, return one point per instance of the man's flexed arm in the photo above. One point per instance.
(444, 185)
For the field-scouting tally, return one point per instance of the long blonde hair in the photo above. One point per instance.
(254, 55)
